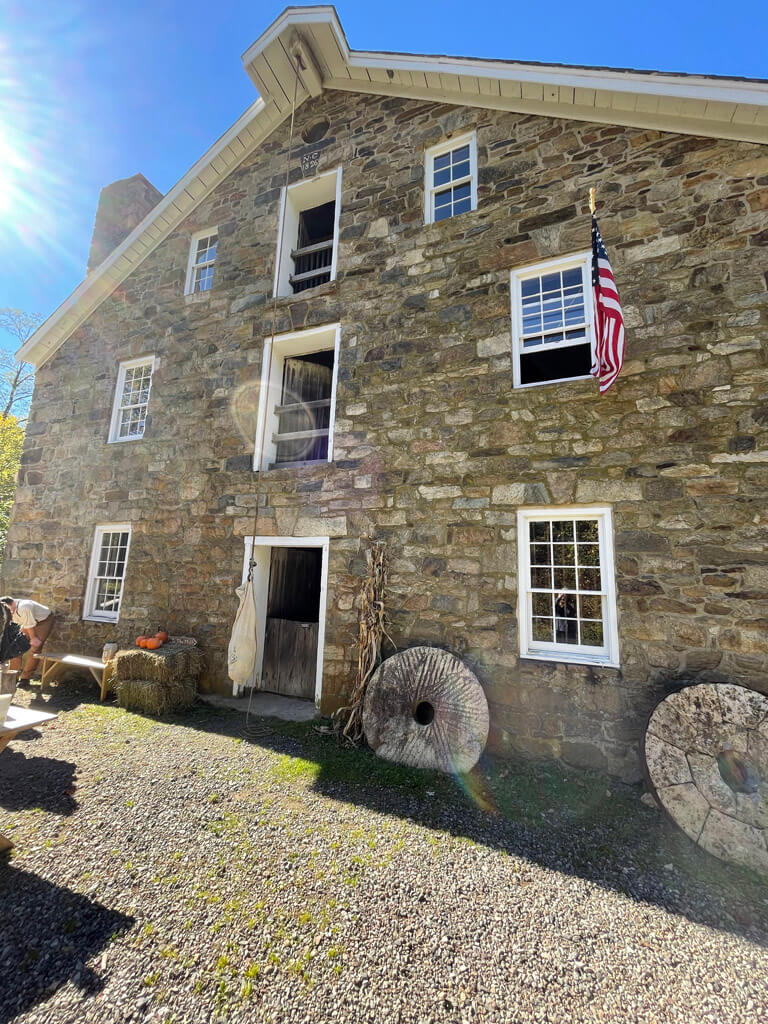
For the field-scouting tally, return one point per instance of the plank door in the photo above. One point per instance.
(293, 612)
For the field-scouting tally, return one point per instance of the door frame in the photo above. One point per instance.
(261, 593)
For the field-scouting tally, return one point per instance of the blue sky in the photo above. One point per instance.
(95, 90)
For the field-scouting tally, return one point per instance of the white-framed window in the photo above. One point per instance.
(566, 585)
(552, 338)
(308, 233)
(297, 398)
(202, 256)
(129, 409)
(106, 575)
(450, 185)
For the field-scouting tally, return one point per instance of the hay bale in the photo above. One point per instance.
(155, 696)
(169, 663)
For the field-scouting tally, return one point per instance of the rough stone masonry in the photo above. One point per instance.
(435, 451)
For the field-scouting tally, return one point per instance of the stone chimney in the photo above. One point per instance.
(122, 205)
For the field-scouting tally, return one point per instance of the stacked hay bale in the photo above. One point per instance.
(158, 682)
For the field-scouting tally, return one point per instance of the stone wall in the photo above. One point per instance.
(435, 451)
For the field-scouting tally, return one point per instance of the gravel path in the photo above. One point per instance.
(183, 873)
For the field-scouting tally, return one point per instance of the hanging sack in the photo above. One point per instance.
(241, 658)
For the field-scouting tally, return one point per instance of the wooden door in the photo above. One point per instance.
(293, 609)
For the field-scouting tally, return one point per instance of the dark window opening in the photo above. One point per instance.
(294, 584)
(313, 254)
(304, 413)
(555, 364)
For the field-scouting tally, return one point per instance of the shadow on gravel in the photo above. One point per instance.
(46, 935)
(578, 823)
(29, 781)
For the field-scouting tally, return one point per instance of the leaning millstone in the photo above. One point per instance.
(425, 708)
(686, 806)
(666, 761)
(706, 776)
(740, 707)
(735, 841)
(718, 728)
(671, 723)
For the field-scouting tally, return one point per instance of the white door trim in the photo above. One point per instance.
(292, 542)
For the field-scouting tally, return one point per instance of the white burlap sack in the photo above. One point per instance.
(241, 658)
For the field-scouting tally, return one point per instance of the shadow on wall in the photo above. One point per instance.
(583, 824)
(46, 935)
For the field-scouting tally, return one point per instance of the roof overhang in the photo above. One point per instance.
(310, 40)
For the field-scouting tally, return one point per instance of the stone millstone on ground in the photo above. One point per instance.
(706, 755)
(424, 708)
(157, 682)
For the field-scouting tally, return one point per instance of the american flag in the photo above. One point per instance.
(609, 320)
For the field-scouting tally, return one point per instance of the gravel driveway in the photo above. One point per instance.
(180, 871)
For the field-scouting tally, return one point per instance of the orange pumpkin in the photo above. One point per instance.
(140, 640)
(162, 636)
(153, 643)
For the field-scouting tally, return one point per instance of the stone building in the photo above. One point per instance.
(405, 332)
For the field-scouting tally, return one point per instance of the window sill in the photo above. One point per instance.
(103, 620)
(191, 298)
(276, 467)
(327, 288)
(565, 659)
(447, 220)
(560, 380)
(124, 440)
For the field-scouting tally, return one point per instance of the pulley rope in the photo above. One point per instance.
(252, 729)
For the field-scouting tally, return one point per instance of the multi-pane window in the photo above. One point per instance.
(451, 178)
(202, 256)
(552, 321)
(567, 589)
(107, 572)
(129, 413)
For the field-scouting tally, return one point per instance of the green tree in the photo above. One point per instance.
(11, 443)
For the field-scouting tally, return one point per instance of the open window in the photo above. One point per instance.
(298, 398)
(552, 338)
(309, 219)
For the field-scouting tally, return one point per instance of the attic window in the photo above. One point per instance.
(202, 256)
(310, 233)
(451, 178)
(552, 321)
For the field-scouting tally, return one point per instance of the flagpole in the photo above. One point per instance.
(592, 201)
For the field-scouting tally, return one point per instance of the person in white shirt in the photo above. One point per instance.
(36, 622)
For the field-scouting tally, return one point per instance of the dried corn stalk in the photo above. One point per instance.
(372, 631)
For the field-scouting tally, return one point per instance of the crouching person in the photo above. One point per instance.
(36, 623)
(13, 643)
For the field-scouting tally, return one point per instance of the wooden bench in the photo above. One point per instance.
(53, 660)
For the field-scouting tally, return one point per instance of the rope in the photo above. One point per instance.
(249, 728)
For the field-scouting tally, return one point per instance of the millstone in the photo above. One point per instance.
(706, 760)
(424, 708)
